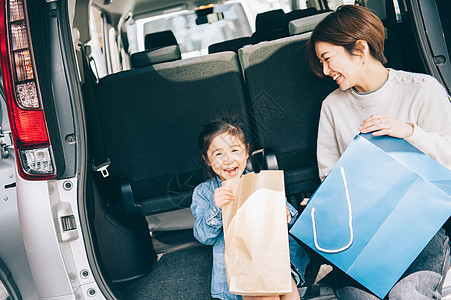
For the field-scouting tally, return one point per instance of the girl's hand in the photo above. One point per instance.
(222, 196)
(386, 125)
(288, 216)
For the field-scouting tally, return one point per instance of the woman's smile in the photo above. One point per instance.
(336, 78)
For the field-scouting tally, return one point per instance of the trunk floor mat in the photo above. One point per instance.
(183, 270)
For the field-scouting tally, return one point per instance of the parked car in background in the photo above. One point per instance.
(102, 102)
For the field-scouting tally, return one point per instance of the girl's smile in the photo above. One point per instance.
(227, 156)
(232, 171)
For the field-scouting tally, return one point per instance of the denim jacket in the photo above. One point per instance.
(208, 231)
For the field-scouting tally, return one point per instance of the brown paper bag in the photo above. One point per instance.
(257, 257)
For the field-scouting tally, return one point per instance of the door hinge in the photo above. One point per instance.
(5, 142)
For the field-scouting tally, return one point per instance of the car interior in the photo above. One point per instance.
(144, 118)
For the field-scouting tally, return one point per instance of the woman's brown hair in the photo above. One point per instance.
(344, 27)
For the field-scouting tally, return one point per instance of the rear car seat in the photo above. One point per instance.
(151, 118)
(284, 101)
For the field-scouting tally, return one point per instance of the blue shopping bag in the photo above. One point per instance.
(376, 210)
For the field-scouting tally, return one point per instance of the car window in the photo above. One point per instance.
(194, 39)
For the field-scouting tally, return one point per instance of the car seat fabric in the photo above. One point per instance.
(306, 24)
(155, 56)
(284, 102)
(151, 118)
(159, 39)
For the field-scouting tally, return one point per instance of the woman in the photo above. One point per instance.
(348, 46)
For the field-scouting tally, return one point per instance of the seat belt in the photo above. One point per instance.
(100, 161)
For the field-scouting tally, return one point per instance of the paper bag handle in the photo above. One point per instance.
(351, 239)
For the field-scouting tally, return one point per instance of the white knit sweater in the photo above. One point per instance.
(408, 97)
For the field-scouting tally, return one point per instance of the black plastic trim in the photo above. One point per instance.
(8, 281)
(38, 34)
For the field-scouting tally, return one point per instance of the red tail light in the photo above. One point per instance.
(23, 98)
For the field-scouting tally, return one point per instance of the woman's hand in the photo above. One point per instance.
(288, 216)
(222, 196)
(386, 125)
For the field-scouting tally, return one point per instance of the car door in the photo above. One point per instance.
(419, 37)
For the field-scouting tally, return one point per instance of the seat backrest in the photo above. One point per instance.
(151, 118)
(230, 45)
(284, 101)
(159, 39)
(270, 25)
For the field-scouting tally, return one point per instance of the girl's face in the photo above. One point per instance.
(337, 63)
(227, 156)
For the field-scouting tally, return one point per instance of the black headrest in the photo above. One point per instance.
(155, 56)
(269, 26)
(269, 20)
(159, 39)
(230, 45)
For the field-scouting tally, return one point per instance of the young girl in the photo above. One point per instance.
(225, 151)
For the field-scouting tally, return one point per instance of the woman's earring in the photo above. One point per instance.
(363, 62)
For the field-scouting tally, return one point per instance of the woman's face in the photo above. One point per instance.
(345, 69)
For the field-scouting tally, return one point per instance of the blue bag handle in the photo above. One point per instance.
(351, 230)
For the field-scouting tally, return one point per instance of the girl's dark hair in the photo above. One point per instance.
(230, 124)
(344, 27)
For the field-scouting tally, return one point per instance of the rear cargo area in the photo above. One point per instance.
(183, 270)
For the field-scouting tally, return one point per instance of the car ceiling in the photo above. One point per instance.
(146, 7)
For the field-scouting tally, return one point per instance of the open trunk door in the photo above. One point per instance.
(423, 33)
